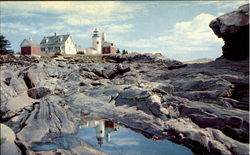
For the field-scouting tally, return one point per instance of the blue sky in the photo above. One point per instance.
(177, 29)
(128, 142)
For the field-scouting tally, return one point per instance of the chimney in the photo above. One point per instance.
(104, 37)
(55, 34)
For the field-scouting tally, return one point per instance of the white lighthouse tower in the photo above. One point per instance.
(97, 42)
(100, 132)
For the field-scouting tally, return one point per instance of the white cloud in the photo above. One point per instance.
(192, 38)
(113, 28)
(77, 20)
(234, 4)
(15, 28)
(37, 29)
(197, 30)
(73, 13)
(90, 20)
(88, 8)
(231, 4)
(128, 141)
(91, 8)
(172, 4)
(80, 35)
(186, 40)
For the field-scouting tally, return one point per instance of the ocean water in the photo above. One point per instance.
(115, 139)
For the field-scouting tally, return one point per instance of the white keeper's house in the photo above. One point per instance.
(63, 44)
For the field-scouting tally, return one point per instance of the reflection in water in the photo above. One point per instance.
(103, 129)
(124, 141)
(98, 134)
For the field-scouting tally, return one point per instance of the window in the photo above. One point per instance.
(57, 48)
(97, 42)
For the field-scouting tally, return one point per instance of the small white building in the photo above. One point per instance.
(63, 44)
(91, 51)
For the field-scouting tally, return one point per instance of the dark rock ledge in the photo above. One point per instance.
(233, 28)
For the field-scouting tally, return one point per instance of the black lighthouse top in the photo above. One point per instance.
(95, 33)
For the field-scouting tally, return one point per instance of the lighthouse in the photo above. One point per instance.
(100, 132)
(97, 42)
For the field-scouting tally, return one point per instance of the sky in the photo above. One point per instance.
(176, 29)
(126, 141)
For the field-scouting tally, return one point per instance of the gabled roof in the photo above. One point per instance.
(55, 39)
(107, 44)
(29, 42)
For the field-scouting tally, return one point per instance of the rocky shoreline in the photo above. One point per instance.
(204, 106)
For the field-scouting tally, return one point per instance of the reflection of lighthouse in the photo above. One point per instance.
(103, 128)
(100, 131)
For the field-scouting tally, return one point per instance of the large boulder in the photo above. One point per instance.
(144, 58)
(230, 122)
(233, 28)
(142, 100)
(8, 138)
(47, 119)
(205, 140)
(34, 76)
(107, 71)
(37, 93)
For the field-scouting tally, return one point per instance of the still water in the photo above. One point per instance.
(116, 139)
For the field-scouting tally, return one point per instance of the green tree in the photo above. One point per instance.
(124, 51)
(118, 51)
(4, 45)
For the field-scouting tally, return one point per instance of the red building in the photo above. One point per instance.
(108, 48)
(110, 124)
(30, 47)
